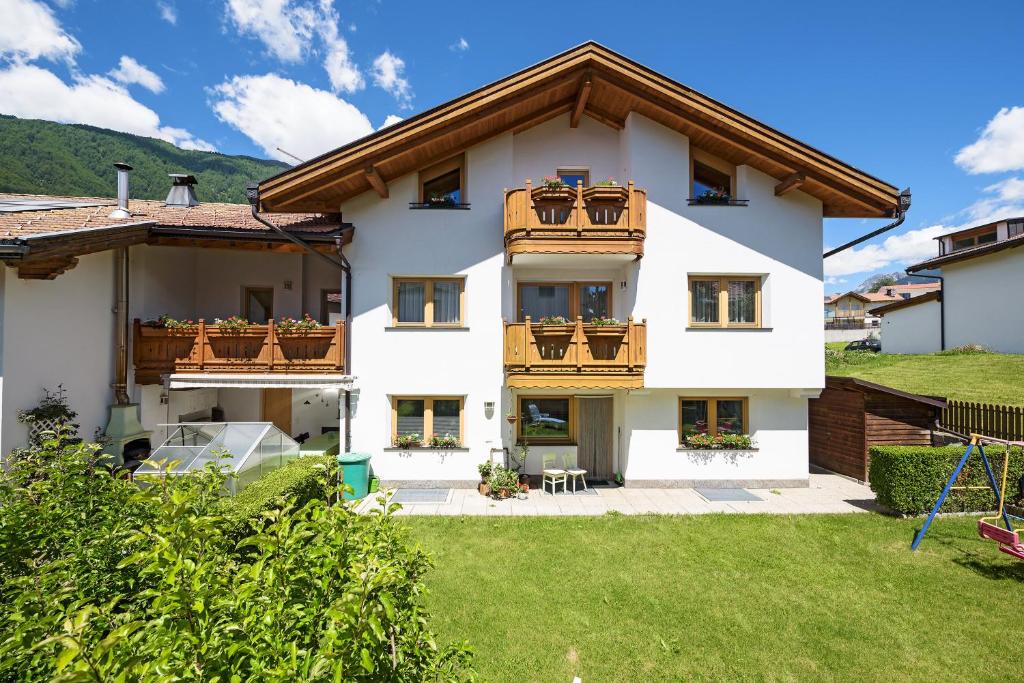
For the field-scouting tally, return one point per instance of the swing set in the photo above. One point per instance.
(1009, 539)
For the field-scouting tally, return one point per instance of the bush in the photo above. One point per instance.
(964, 350)
(302, 480)
(909, 479)
(107, 581)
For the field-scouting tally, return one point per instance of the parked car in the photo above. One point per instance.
(865, 345)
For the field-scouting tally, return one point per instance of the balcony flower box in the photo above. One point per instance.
(605, 193)
(549, 193)
(605, 329)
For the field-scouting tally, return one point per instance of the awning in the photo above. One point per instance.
(254, 381)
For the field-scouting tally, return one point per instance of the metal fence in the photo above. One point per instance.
(1001, 422)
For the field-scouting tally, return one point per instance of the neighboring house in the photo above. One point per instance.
(911, 325)
(855, 310)
(462, 259)
(981, 269)
(909, 291)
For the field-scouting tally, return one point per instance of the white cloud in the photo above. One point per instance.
(32, 92)
(903, 249)
(277, 112)
(129, 71)
(29, 31)
(460, 45)
(1000, 147)
(388, 73)
(168, 12)
(288, 28)
(390, 120)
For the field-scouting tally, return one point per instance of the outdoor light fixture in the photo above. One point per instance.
(489, 409)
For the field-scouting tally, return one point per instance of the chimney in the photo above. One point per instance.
(122, 191)
(183, 193)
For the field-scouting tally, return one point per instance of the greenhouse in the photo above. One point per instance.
(247, 450)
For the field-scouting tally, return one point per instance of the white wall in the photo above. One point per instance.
(540, 151)
(981, 307)
(914, 329)
(59, 331)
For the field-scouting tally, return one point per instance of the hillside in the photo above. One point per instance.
(42, 157)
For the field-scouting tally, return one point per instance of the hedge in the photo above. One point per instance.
(909, 479)
(304, 479)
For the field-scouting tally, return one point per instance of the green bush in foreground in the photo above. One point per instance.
(909, 479)
(106, 581)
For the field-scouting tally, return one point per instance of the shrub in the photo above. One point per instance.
(719, 441)
(964, 350)
(909, 479)
(301, 480)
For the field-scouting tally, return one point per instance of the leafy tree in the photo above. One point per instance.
(315, 594)
(883, 281)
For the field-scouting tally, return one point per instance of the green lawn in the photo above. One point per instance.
(719, 597)
(985, 377)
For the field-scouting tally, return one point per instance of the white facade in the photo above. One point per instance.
(912, 329)
(980, 303)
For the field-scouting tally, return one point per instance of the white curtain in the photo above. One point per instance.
(446, 302)
(411, 297)
(539, 301)
(705, 301)
(741, 301)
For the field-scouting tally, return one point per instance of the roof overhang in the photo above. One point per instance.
(855, 384)
(203, 380)
(591, 80)
(907, 303)
(966, 254)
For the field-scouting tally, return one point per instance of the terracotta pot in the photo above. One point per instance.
(511, 419)
(503, 493)
(484, 488)
(524, 480)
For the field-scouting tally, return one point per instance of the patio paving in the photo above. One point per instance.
(827, 493)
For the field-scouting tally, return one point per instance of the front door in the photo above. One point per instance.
(277, 408)
(596, 435)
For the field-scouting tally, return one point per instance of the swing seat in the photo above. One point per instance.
(1013, 550)
(998, 534)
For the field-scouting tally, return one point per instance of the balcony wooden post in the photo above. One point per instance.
(630, 336)
(580, 339)
(527, 334)
(339, 345)
(580, 212)
(629, 207)
(201, 341)
(270, 342)
(528, 201)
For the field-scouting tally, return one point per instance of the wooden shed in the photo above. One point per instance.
(852, 415)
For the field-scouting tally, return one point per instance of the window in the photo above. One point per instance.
(443, 185)
(546, 419)
(330, 306)
(567, 299)
(713, 416)
(727, 301)
(969, 241)
(571, 175)
(258, 304)
(711, 175)
(426, 417)
(428, 302)
(1014, 228)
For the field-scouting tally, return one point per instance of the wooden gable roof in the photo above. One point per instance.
(586, 80)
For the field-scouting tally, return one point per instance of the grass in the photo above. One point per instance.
(718, 597)
(985, 377)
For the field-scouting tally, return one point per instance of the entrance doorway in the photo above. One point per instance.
(596, 436)
(276, 407)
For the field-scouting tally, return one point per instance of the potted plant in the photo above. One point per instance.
(619, 479)
(406, 441)
(485, 474)
(503, 482)
(234, 324)
(552, 326)
(177, 326)
(553, 188)
(511, 417)
(441, 199)
(524, 452)
(606, 191)
(728, 442)
(304, 324)
(446, 441)
(605, 327)
(716, 195)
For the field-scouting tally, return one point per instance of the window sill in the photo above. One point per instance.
(546, 443)
(427, 206)
(684, 449)
(729, 202)
(427, 449)
(714, 328)
(424, 328)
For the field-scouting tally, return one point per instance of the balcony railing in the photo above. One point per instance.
(566, 220)
(575, 355)
(259, 349)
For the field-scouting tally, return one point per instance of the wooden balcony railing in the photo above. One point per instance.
(260, 349)
(566, 220)
(575, 355)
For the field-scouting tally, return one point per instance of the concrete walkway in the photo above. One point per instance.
(827, 493)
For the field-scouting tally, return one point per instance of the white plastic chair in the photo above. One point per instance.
(552, 474)
(574, 471)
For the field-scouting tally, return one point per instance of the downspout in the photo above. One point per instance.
(121, 322)
(901, 214)
(252, 193)
(942, 307)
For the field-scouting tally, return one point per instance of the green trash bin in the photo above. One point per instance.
(355, 471)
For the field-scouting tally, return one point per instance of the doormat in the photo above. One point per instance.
(727, 495)
(412, 496)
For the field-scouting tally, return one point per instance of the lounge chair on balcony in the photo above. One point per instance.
(539, 417)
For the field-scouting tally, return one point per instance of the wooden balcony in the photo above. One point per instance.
(577, 355)
(260, 349)
(592, 220)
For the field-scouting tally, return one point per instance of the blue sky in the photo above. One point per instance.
(896, 89)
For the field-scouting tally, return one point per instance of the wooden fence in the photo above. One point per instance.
(1001, 422)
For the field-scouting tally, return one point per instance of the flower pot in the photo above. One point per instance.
(561, 193)
(511, 419)
(522, 495)
(524, 480)
(503, 493)
(605, 193)
(484, 488)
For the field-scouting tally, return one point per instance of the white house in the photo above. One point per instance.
(980, 267)
(682, 248)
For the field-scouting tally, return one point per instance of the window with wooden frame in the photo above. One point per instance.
(725, 301)
(974, 239)
(546, 419)
(258, 304)
(713, 416)
(426, 417)
(570, 175)
(567, 299)
(443, 185)
(428, 302)
(711, 176)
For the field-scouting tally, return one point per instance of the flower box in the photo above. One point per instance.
(539, 330)
(562, 193)
(605, 193)
(614, 330)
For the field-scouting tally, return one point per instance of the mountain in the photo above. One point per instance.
(898, 276)
(42, 157)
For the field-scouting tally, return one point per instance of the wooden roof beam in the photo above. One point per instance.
(606, 118)
(790, 183)
(376, 182)
(581, 101)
